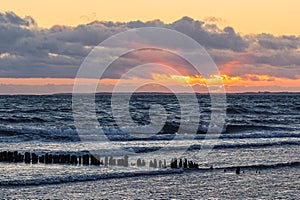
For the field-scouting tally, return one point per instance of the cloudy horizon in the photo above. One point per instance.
(38, 60)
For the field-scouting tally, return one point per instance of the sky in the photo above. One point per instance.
(255, 44)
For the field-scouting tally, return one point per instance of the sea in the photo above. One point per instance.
(260, 135)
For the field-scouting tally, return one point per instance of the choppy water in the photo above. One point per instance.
(262, 132)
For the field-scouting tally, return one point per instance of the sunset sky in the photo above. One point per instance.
(255, 44)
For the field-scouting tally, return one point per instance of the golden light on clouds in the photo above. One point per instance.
(247, 82)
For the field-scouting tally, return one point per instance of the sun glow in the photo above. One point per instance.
(246, 82)
(214, 79)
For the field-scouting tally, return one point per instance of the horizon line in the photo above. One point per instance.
(149, 93)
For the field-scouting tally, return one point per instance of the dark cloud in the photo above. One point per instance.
(29, 51)
(139, 57)
(12, 19)
(227, 39)
(269, 41)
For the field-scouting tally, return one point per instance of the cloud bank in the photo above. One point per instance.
(29, 51)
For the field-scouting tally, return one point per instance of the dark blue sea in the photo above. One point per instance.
(260, 134)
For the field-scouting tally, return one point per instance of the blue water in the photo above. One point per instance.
(261, 133)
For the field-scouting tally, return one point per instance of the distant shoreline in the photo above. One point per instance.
(158, 93)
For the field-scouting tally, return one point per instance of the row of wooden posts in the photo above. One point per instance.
(183, 163)
(88, 159)
(48, 158)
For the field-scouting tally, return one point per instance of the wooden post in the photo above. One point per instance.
(21, 157)
(180, 163)
(79, 160)
(4, 156)
(106, 161)
(126, 161)
(27, 157)
(34, 158)
(95, 160)
(68, 158)
(74, 160)
(15, 156)
(185, 164)
(10, 156)
(61, 158)
(42, 159)
(55, 159)
(86, 159)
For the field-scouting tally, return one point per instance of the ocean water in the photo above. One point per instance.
(261, 135)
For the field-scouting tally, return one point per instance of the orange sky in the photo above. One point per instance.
(272, 16)
(246, 83)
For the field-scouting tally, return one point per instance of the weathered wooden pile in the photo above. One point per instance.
(88, 159)
(63, 158)
(183, 163)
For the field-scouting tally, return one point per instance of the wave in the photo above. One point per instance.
(262, 166)
(84, 178)
(36, 110)
(237, 110)
(235, 128)
(217, 146)
(143, 133)
(39, 134)
(247, 145)
(229, 128)
(97, 177)
(17, 119)
(168, 132)
(257, 110)
(259, 135)
(297, 108)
